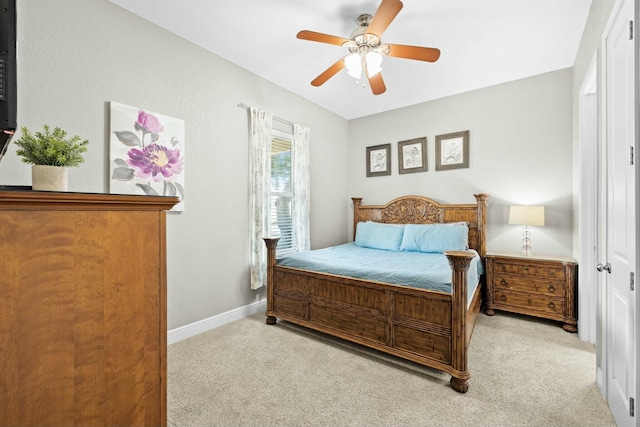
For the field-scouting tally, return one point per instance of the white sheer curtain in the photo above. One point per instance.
(260, 182)
(301, 193)
(260, 187)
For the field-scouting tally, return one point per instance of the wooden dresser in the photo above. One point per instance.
(538, 286)
(82, 309)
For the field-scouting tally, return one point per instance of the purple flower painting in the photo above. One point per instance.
(147, 153)
(155, 162)
(147, 123)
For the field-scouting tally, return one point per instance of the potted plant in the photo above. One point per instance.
(50, 153)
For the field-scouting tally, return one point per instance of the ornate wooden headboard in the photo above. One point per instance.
(422, 210)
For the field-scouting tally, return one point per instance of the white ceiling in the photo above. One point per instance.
(483, 43)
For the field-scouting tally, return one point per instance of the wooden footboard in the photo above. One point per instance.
(428, 327)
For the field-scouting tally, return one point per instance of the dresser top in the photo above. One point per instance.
(539, 257)
(38, 200)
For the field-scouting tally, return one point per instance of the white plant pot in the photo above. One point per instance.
(48, 178)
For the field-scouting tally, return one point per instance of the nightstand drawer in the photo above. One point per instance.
(548, 272)
(535, 302)
(522, 283)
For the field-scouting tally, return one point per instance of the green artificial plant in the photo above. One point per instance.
(51, 148)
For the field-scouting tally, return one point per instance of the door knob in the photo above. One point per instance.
(602, 267)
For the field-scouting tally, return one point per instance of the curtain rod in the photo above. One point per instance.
(286, 122)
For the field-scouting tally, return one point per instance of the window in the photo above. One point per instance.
(281, 218)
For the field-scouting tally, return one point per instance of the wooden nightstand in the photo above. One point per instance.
(538, 286)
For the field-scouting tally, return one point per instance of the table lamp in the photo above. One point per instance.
(527, 216)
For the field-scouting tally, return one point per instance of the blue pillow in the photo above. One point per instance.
(435, 238)
(377, 235)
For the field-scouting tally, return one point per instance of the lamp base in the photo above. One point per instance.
(527, 250)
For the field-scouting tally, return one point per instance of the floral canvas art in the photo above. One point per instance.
(147, 153)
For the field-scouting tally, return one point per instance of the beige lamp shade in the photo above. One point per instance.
(526, 215)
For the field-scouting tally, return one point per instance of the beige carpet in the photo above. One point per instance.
(524, 372)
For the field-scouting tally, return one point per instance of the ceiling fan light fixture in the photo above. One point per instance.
(357, 61)
(353, 63)
(374, 63)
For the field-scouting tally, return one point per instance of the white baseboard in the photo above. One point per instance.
(195, 328)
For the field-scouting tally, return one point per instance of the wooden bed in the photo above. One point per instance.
(428, 327)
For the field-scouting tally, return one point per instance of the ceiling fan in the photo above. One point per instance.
(366, 48)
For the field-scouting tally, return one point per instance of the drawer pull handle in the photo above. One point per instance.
(526, 269)
(551, 288)
(503, 282)
(503, 297)
(552, 305)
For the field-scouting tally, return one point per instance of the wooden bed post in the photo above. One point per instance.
(459, 261)
(271, 243)
(482, 223)
(356, 215)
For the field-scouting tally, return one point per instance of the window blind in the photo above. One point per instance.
(281, 196)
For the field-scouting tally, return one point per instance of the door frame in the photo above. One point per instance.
(588, 213)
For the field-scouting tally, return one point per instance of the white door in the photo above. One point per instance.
(619, 332)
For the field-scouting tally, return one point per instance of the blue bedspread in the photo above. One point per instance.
(414, 269)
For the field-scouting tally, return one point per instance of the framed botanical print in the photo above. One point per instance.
(379, 160)
(412, 155)
(452, 151)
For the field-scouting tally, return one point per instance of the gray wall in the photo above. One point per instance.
(520, 153)
(74, 56)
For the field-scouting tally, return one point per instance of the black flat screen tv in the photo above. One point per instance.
(8, 73)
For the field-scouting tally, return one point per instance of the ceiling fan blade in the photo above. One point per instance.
(328, 73)
(377, 84)
(322, 38)
(386, 13)
(429, 54)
